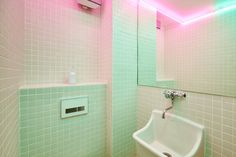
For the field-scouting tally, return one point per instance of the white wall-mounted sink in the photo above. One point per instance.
(173, 136)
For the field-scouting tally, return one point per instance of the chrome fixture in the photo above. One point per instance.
(171, 94)
(164, 112)
(167, 154)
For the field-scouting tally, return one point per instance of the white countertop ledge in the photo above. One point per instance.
(51, 85)
(164, 80)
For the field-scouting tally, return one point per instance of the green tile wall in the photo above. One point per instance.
(124, 77)
(44, 134)
(147, 46)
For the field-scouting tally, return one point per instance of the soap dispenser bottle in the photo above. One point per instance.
(72, 77)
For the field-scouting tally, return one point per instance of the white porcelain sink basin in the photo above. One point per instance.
(173, 136)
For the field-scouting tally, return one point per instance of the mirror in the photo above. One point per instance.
(198, 56)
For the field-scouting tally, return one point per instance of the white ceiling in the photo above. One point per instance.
(188, 9)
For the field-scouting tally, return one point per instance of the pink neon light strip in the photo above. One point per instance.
(181, 21)
(210, 14)
(162, 11)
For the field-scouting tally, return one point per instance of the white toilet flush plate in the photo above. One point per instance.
(74, 106)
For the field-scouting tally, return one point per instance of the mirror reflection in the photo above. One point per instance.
(198, 56)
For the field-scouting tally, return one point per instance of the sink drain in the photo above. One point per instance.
(167, 154)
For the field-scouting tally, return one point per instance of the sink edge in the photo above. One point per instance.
(193, 151)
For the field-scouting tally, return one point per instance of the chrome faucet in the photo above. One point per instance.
(164, 112)
(171, 94)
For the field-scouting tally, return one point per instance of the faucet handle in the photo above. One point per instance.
(168, 94)
(171, 94)
(180, 94)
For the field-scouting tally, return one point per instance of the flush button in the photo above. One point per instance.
(74, 106)
(71, 110)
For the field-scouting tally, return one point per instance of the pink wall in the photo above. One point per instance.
(11, 73)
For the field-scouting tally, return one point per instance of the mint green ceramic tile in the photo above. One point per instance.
(124, 78)
(44, 133)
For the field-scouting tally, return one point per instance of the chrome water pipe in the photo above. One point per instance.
(171, 94)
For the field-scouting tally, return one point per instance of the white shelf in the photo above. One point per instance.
(52, 85)
(165, 80)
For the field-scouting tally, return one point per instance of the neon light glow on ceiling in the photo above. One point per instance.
(176, 18)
